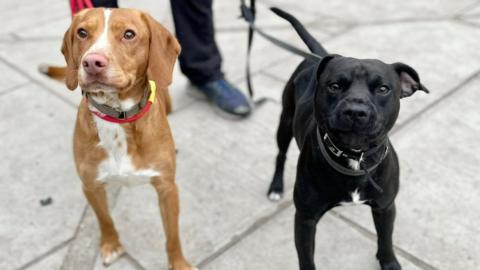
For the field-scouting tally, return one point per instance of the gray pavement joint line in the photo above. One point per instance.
(13, 88)
(46, 254)
(467, 8)
(15, 36)
(38, 82)
(372, 236)
(403, 20)
(183, 107)
(273, 76)
(436, 102)
(18, 39)
(244, 27)
(298, 9)
(133, 262)
(44, 22)
(83, 236)
(466, 22)
(242, 235)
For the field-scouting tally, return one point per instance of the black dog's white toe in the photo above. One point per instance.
(274, 196)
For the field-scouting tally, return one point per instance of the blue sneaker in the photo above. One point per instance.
(227, 97)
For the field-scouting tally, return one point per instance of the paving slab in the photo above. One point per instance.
(53, 261)
(51, 30)
(58, 24)
(36, 131)
(222, 185)
(10, 79)
(225, 166)
(25, 14)
(473, 21)
(372, 11)
(227, 17)
(437, 210)
(472, 10)
(25, 57)
(338, 246)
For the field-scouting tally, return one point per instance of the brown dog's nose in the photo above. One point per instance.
(94, 63)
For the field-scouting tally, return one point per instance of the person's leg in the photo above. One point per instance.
(200, 59)
(105, 3)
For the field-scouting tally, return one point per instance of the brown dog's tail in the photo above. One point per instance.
(54, 72)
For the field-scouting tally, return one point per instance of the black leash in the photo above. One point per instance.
(248, 13)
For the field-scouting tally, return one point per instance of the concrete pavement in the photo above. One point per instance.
(224, 166)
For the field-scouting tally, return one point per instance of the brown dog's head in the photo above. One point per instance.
(114, 49)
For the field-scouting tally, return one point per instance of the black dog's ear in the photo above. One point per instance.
(323, 63)
(409, 80)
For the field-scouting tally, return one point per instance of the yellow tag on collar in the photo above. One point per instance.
(153, 91)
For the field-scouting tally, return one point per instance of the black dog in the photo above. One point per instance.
(340, 111)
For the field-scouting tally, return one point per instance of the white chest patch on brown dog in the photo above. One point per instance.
(117, 168)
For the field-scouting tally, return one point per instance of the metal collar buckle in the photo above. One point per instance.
(122, 115)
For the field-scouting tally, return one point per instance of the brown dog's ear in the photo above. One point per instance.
(71, 73)
(409, 80)
(164, 49)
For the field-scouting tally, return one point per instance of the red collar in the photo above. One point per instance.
(138, 115)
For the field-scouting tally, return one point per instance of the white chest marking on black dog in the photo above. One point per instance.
(356, 199)
(354, 164)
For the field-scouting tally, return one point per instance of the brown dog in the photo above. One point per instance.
(122, 133)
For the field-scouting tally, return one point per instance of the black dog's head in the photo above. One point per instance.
(358, 100)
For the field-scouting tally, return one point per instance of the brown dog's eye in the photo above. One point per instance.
(334, 88)
(129, 35)
(383, 89)
(82, 33)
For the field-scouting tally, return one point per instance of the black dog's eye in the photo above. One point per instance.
(82, 33)
(383, 89)
(334, 87)
(129, 35)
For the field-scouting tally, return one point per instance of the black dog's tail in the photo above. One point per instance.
(309, 40)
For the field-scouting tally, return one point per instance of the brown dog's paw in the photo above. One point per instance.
(182, 266)
(111, 252)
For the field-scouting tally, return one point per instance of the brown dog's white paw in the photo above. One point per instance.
(182, 266)
(111, 252)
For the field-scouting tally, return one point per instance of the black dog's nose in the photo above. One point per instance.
(358, 114)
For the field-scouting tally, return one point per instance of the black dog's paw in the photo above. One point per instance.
(275, 191)
(391, 266)
(275, 195)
